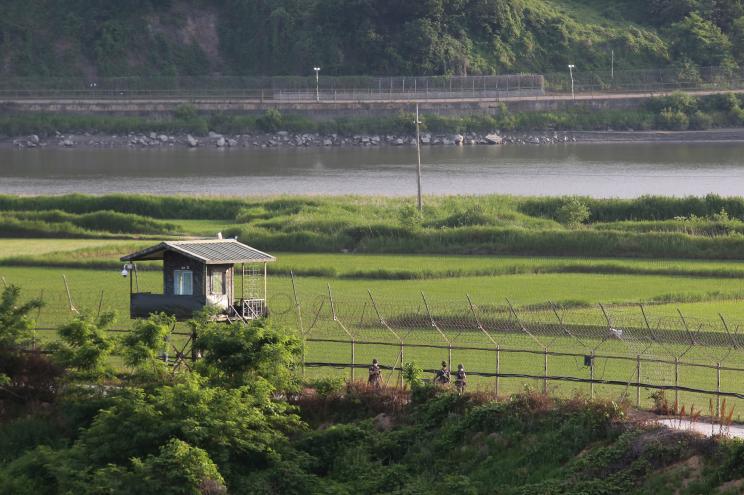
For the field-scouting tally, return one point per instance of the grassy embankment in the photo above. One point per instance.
(675, 112)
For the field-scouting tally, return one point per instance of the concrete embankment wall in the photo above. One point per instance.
(318, 110)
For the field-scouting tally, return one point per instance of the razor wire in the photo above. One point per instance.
(633, 345)
(617, 344)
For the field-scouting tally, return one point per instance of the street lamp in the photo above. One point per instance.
(571, 67)
(317, 83)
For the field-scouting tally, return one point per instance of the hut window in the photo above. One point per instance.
(183, 282)
(217, 281)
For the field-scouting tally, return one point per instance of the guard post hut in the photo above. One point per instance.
(200, 273)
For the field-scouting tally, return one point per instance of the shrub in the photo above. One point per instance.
(410, 217)
(701, 121)
(471, 215)
(239, 354)
(271, 121)
(572, 213)
(16, 323)
(146, 340)
(185, 112)
(84, 344)
(412, 375)
(673, 120)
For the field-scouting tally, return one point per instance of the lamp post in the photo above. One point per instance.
(571, 67)
(317, 83)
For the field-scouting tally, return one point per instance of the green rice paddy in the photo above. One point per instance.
(699, 289)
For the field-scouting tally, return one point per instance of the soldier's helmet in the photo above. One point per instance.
(374, 361)
(460, 367)
(444, 364)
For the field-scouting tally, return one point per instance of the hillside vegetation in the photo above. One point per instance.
(43, 38)
(241, 420)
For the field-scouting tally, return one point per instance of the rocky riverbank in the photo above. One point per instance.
(285, 139)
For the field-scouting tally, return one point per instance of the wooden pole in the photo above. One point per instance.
(449, 357)
(676, 380)
(400, 376)
(591, 373)
(718, 389)
(299, 320)
(353, 359)
(418, 154)
(498, 370)
(638, 385)
(545, 372)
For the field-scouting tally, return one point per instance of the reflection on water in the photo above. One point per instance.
(621, 170)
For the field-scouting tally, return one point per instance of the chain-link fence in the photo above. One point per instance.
(576, 83)
(620, 352)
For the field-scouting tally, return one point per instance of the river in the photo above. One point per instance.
(600, 170)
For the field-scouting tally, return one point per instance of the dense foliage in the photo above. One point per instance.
(237, 423)
(258, 37)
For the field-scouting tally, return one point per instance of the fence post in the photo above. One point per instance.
(400, 375)
(591, 376)
(718, 389)
(449, 357)
(498, 369)
(676, 380)
(298, 308)
(638, 380)
(545, 371)
(353, 358)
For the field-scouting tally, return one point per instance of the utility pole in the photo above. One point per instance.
(418, 153)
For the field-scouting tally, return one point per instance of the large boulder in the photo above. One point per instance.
(494, 139)
(220, 142)
(193, 143)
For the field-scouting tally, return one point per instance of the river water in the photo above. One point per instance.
(600, 170)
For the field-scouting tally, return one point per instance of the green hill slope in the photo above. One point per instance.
(44, 38)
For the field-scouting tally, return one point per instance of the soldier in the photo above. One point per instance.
(443, 375)
(460, 379)
(374, 374)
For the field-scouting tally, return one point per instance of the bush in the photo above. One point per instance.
(673, 120)
(185, 112)
(271, 121)
(410, 217)
(572, 213)
(701, 121)
(84, 344)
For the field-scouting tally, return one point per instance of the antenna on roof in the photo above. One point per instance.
(219, 235)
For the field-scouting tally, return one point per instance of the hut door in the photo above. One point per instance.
(217, 293)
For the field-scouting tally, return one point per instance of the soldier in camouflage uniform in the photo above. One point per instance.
(443, 375)
(460, 379)
(375, 374)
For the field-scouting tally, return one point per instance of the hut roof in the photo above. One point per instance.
(210, 252)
